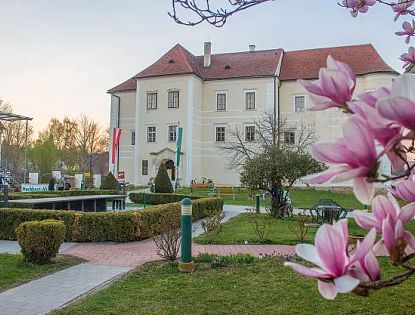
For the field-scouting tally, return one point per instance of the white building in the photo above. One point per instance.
(207, 95)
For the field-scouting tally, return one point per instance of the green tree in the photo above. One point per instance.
(44, 155)
(275, 170)
(162, 180)
(109, 182)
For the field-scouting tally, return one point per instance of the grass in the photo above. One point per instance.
(241, 228)
(262, 287)
(15, 271)
(301, 198)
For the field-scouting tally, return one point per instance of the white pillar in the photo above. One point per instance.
(189, 133)
(137, 166)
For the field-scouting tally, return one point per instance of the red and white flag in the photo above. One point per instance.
(116, 134)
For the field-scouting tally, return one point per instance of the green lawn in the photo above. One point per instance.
(15, 271)
(263, 287)
(301, 198)
(241, 228)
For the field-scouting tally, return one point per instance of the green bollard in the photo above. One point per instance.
(257, 204)
(186, 263)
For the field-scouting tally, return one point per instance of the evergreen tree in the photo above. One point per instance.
(162, 180)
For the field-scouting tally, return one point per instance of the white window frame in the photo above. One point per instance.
(168, 132)
(305, 103)
(178, 98)
(224, 135)
(245, 134)
(147, 94)
(155, 134)
(255, 99)
(289, 131)
(226, 100)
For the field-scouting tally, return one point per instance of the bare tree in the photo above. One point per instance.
(268, 135)
(91, 141)
(205, 12)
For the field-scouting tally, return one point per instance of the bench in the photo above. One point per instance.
(227, 192)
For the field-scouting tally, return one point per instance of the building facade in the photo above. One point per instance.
(210, 95)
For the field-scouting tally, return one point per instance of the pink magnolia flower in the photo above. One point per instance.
(399, 107)
(402, 8)
(408, 31)
(357, 6)
(334, 268)
(408, 58)
(385, 133)
(405, 188)
(389, 219)
(353, 156)
(334, 88)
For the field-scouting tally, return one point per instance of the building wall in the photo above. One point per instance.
(198, 116)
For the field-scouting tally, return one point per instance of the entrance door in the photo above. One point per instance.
(171, 169)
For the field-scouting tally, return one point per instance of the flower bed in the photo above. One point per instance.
(97, 227)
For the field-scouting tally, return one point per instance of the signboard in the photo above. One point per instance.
(78, 180)
(33, 178)
(35, 188)
(97, 180)
(121, 177)
(56, 174)
(187, 209)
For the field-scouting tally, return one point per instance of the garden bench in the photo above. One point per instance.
(327, 210)
(227, 192)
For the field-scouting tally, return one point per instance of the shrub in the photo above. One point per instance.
(162, 181)
(167, 236)
(40, 240)
(159, 198)
(98, 227)
(301, 227)
(213, 223)
(109, 182)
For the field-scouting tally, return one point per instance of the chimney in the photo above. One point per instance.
(207, 54)
(251, 48)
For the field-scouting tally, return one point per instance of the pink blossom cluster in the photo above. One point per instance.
(385, 118)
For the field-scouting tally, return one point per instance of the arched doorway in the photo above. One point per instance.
(171, 169)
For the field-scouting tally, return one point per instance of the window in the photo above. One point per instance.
(173, 100)
(221, 101)
(289, 137)
(132, 137)
(144, 167)
(151, 134)
(249, 133)
(299, 103)
(220, 134)
(250, 100)
(151, 100)
(173, 133)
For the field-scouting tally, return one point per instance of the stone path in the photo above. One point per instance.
(51, 292)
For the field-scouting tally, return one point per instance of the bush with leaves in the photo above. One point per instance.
(162, 181)
(110, 182)
(167, 236)
(40, 240)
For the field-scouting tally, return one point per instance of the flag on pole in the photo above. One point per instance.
(179, 146)
(116, 134)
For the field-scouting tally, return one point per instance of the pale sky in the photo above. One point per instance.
(60, 57)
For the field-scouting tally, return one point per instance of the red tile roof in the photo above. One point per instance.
(305, 64)
(302, 64)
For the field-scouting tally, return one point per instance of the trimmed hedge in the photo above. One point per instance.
(40, 240)
(159, 198)
(98, 227)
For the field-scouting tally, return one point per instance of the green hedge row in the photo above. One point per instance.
(98, 227)
(159, 198)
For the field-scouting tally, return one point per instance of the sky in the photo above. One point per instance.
(58, 58)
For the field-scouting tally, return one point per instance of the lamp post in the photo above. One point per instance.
(186, 263)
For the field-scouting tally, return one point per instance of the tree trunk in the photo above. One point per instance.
(277, 201)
